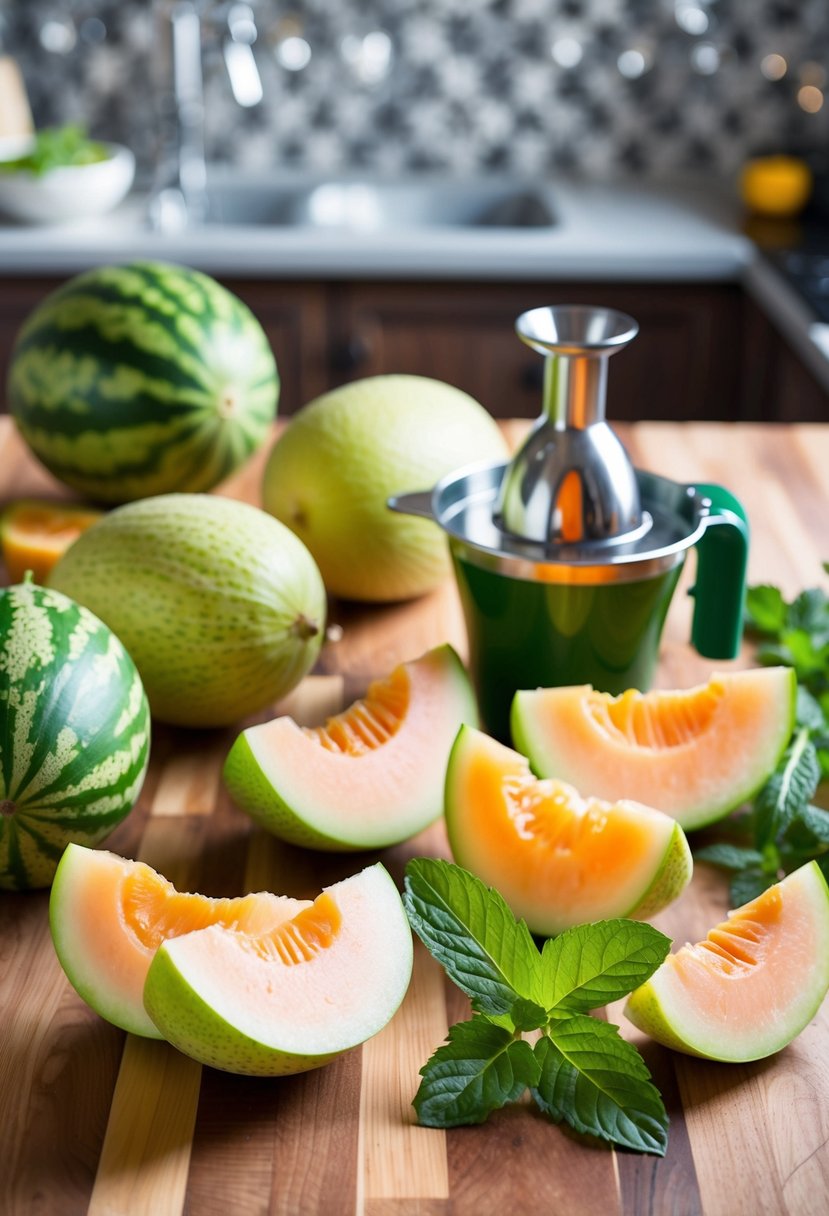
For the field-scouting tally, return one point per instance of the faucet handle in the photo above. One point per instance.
(240, 61)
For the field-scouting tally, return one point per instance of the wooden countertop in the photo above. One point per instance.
(97, 1122)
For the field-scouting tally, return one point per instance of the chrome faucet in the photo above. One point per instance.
(180, 192)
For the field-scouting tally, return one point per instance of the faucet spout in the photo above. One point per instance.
(180, 194)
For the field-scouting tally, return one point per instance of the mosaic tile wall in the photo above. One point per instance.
(594, 87)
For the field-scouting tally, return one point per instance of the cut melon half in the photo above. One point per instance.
(695, 754)
(752, 985)
(109, 915)
(35, 532)
(371, 776)
(557, 858)
(291, 999)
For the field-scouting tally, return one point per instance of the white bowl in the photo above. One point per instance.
(72, 192)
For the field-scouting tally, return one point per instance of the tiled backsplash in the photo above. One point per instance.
(533, 86)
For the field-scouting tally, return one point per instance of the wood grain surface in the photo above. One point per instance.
(97, 1122)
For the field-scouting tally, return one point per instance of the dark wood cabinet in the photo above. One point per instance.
(681, 366)
(704, 351)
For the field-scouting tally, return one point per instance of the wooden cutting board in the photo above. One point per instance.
(97, 1122)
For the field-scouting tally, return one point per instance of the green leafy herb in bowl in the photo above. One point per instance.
(55, 148)
(65, 176)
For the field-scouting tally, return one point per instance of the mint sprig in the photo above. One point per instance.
(580, 1070)
(782, 829)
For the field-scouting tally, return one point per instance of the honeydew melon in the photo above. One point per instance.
(331, 472)
(292, 999)
(369, 777)
(695, 754)
(557, 858)
(220, 606)
(109, 915)
(752, 985)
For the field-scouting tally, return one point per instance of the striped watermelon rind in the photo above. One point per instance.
(74, 732)
(136, 380)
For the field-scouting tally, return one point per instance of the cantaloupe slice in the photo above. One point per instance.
(557, 858)
(109, 915)
(295, 997)
(35, 532)
(371, 776)
(752, 985)
(695, 754)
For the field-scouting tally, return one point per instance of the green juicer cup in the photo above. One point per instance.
(582, 616)
(567, 557)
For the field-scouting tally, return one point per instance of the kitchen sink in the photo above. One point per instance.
(370, 206)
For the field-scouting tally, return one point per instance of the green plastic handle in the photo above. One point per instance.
(720, 588)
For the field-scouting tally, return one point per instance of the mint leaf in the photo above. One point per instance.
(765, 609)
(472, 933)
(589, 965)
(597, 1082)
(729, 856)
(788, 790)
(479, 1069)
(809, 611)
(748, 884)
(526, 1015)
(808, 712)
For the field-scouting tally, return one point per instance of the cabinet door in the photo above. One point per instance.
(293, 315)
(683, 365)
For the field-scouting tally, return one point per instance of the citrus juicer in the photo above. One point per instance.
(567, 557)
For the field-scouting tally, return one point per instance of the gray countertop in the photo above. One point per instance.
(685, 232)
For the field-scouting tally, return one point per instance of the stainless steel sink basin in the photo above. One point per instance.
(370, 206)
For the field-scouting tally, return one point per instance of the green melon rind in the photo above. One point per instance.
(207, 1037)
(191, 1025)
(75, 959)
(543, 757)
(76, 729)
(646, 1009)
(253, 793)
(304, 824)
(118, 381)
(668, 881)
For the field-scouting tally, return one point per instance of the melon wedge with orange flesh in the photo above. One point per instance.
(369, 777)
(752, 985)
(291, 999)
(35, 532)
(557, 858)
(695, 754)
(109, 915)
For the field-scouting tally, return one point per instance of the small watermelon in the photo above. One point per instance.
(74, 732)
(136, 380)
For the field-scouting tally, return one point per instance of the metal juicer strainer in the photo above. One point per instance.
(567, 557)
(572, 480)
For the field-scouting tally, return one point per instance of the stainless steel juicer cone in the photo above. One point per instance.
(572, 481)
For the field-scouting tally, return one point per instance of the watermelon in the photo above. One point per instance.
(136, 380)
(74, 732)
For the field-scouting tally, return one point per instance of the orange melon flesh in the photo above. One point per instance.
(695, 754)
(369, 777)
(752, 984)
(557, 858)
(109, 915)
(34, 533)
(295, 997)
